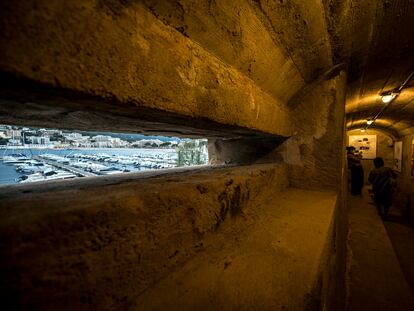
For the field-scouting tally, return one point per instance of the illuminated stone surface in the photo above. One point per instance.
(265, 81)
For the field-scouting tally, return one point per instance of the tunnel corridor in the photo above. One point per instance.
(279, 88)
(379, 275)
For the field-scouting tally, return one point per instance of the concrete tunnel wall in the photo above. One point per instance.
(405, 201)
(119, 242)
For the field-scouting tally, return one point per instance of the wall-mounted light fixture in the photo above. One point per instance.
(388, 96)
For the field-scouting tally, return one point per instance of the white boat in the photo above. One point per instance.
(110, 172)
(33, 168)
(15, 159)
(33, 178)
(89, 166)
(97, 167)
(48, 175)
(56, 158)
(60, 175)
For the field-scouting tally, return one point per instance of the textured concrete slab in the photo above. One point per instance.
(101, 242)
(212, 239)
(375, 279)
(274, 264)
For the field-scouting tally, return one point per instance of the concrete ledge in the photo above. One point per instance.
(275, 263)
(102, 242)
(211, 240)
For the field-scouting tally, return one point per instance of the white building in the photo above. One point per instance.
(104, 141)
(101, 138)
(39, 140)
(73, 136)
(118, 142)
(52, 132)
(13, 133)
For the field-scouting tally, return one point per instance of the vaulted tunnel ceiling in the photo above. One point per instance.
(379, 44)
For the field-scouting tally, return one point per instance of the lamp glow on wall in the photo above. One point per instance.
(388, 97)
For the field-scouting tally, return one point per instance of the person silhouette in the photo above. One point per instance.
(356, 171)
(381, 178)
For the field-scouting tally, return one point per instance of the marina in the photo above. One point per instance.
(64, 167)
(35, 164)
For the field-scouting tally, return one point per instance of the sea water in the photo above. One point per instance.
(9, 175)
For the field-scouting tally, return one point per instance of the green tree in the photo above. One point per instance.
(3, 141)
(191, 152)
(165, 144)
(57, 137)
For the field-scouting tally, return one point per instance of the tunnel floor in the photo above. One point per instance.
(380, 275)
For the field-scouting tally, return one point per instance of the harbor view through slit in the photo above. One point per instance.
(199, 155)
(34, 155)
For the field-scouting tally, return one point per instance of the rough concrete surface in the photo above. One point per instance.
(274, 264)
(279, 45)
(167, 56)
(102, 242)
(314, 152)
(251, 75)
(245, 150)
(121, 52)
(217, 239)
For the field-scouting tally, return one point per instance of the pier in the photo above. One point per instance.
(65, 167)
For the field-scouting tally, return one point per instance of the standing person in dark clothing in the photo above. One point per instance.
(381, 178)
(356, 170)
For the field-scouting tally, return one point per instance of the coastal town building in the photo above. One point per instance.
(14, 134)
(38, 140)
